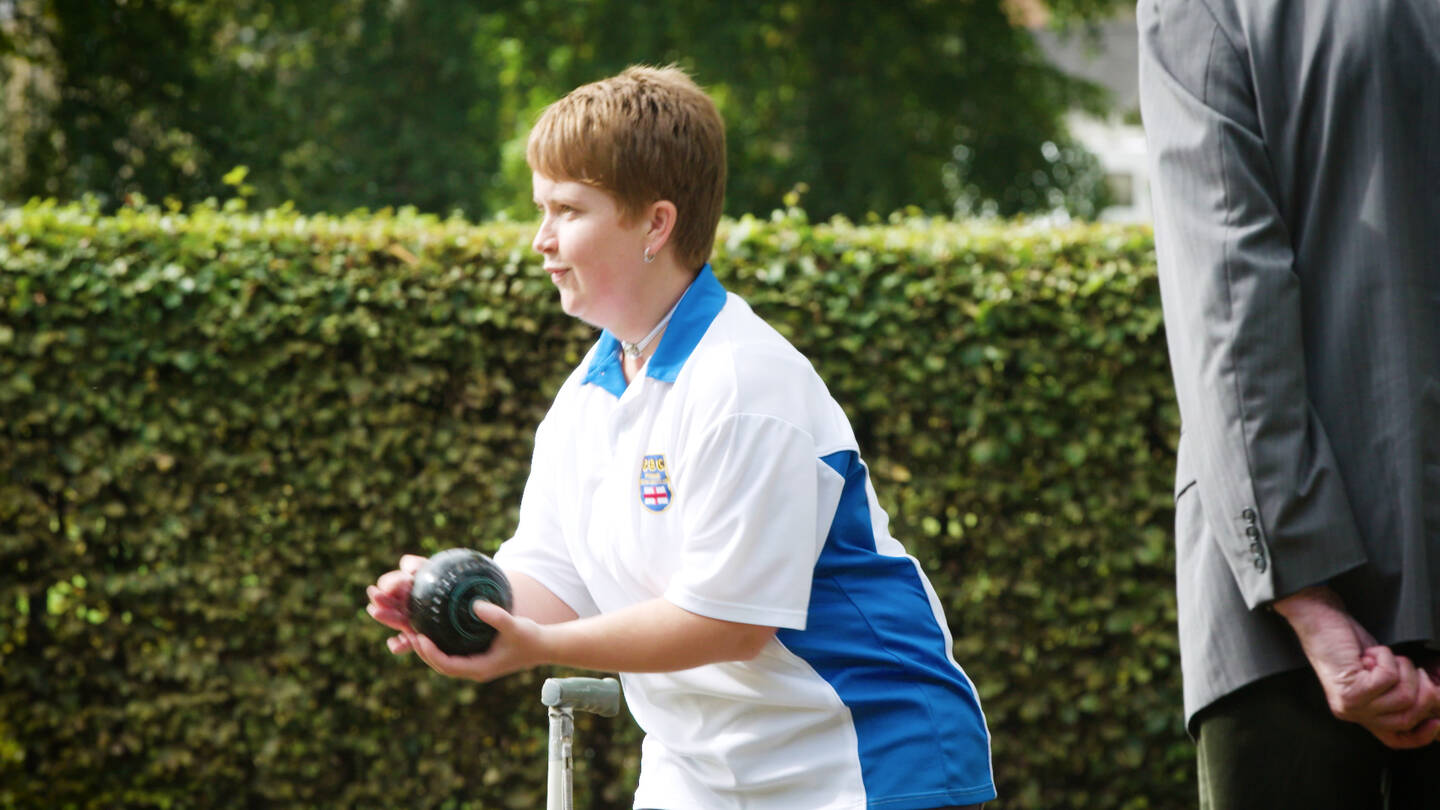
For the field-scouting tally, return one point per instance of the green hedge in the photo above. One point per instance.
(216, 427)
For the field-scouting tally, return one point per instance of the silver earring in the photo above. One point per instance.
(648, 257)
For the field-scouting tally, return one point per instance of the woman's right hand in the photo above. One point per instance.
(389, 599)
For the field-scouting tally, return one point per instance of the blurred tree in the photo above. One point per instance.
(942, 104)
(386, 103)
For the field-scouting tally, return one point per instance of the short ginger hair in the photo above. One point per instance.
(645, 135)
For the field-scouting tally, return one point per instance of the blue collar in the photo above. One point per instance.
(702, 301)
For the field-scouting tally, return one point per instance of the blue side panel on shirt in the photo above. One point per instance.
(873, 636)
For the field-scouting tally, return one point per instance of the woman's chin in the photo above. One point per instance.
(572, 308)
(568, 305)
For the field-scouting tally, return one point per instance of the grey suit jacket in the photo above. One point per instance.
(1295, 166)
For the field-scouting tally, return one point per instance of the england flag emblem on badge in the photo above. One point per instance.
(654, 483)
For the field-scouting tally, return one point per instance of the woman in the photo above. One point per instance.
(697, 517)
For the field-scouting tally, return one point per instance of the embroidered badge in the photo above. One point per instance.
(654, 483)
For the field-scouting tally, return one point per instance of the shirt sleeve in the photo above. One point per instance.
(751, 523)
(1265, 473)
(538, 547)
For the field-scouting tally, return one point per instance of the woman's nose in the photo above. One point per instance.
(544, 241)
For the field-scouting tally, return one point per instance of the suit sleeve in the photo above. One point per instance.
(1263, 469)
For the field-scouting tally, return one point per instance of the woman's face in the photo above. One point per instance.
(592, 255)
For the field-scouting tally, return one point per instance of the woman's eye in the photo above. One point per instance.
(555, 209)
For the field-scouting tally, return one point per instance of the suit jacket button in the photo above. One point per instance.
(1252, 532)
(1260, 564)
(1248, 514)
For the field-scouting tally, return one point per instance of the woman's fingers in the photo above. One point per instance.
(393, 619)
(384, 598)
(395, 583)
(493, 615)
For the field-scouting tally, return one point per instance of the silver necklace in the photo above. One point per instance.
(634, 349)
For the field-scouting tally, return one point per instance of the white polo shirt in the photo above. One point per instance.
(728, 481)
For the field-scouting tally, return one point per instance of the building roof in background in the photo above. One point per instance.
(1107, 53)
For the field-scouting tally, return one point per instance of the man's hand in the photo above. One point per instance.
(1364, 682)
(1425, 714)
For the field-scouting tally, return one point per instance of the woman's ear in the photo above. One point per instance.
(660, 225)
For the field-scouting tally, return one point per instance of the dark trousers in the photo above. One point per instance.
(1274, 745)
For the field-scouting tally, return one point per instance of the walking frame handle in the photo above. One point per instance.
(595, 695)
(564, 695)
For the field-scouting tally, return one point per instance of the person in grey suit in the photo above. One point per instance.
(1295, 165)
